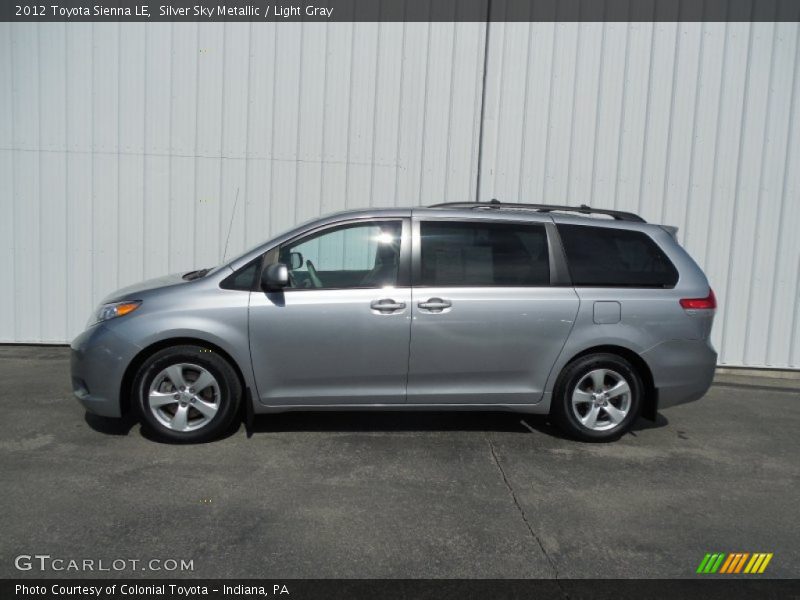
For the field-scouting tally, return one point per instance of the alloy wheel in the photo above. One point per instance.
(601, 399)
(184, 397)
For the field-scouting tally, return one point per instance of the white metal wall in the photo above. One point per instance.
(123, 148)
(688, 124)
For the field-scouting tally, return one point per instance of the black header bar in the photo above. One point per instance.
(399, 10)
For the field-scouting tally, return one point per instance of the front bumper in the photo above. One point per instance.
(98, 362)
(682, 370)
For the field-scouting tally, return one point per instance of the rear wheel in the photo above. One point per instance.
(187, 394)
(597, 397)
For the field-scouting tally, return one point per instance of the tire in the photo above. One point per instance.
(584, 414)
(187, 394)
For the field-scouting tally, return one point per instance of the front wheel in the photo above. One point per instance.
(187, 394)
(597, 397)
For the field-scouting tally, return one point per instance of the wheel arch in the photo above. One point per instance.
(137, 361)
(650, 404)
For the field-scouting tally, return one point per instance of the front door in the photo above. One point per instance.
(487, 324)
(340, 333)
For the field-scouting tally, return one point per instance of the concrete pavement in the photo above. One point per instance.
(364, 495)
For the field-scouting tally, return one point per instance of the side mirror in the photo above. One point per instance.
(295, 260)
(275, 277)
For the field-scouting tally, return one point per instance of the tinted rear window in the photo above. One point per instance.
(484, 254)
(607, 257)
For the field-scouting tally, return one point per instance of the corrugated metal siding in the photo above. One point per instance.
(688, 124)
(126, 149)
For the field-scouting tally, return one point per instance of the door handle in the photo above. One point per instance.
(435, 304)
(386, 305)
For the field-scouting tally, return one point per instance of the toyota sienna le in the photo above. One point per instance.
(593, 317)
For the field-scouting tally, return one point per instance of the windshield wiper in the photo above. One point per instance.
(196, 274)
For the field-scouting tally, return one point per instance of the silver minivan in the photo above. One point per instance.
(592, 317)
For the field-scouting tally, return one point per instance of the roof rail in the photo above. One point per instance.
(583, 209)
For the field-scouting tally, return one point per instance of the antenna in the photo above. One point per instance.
(230, 226)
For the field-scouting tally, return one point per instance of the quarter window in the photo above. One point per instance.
(484, 254)
(362, 255)
(608, 257)
(244, 278)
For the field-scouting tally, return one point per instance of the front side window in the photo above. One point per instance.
(608, 257)
(483, 254)
(361, 255)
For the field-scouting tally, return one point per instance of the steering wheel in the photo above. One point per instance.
(313, 275)
(292, 280)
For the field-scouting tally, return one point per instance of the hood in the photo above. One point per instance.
(128, 293)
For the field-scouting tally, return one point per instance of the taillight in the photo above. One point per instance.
(707, 303)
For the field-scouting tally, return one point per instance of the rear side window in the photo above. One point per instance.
(607, 257)
(483, 254)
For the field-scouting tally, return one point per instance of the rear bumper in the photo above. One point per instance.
(682, 370)
(98, 361)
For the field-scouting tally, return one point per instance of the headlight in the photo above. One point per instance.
(113, 310)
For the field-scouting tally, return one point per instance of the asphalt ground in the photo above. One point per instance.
(376, 495)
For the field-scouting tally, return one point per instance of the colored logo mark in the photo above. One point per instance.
(736, 562)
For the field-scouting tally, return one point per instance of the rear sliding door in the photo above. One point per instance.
(487, 325)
